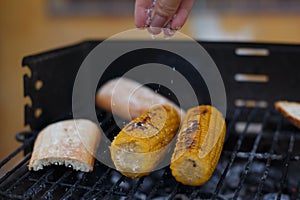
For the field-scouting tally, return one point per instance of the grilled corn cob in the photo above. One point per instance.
(199, 145)
(140, 145)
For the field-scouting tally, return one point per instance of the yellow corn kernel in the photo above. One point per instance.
(199, 145)
(140, 145)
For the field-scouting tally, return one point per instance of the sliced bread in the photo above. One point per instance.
(71, 143)
(291, 110)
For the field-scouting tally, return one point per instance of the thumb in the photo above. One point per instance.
(164, 10)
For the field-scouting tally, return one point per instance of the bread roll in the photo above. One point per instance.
(130, 99)
(70, 143)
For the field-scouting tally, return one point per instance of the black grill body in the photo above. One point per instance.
(261, 154)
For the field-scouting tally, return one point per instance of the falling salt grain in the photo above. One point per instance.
(153, 36)
(149, 13)
(167, 37)
(172, 81)
(131, 149)
(148, 21)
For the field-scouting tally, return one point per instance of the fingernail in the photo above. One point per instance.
(158, 21)
(177, 28)
(168, 33)
(154, 30)
(152, 36)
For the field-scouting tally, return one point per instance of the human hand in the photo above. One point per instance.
(157, 14)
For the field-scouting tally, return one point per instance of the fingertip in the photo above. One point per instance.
(140, 18)
(168, 33)
(140, 12)
(182, 14)
(180, 19)
(154, 30)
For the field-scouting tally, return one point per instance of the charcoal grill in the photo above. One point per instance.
(261, 154)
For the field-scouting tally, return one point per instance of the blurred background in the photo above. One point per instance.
(33, 26)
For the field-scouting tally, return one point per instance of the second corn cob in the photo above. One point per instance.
(199, 145)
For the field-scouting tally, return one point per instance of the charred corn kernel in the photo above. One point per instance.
(140, 145)
(199, 145)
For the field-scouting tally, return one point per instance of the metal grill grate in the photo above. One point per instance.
(255, 164)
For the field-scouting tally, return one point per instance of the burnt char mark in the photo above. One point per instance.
(147, 119)
(140, 125)
(135, 125)
(204, 111)
(190, 141)
(195, 125)
(193, 162)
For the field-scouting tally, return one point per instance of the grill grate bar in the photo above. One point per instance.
(298, 191)
(50, 191)
(11, 196)
(134, 188)
(234, 153)
(235, 117)
(39, 185)
(251, 157)
(17, 151)
(26, 158)
(156, 186)
(194, 193)
(69, 193)
(172, 195)
(286, 167)
(106, 119)
(112, 189)
(19, 180)
(111, 130)
(98, 183)
(261, 156)
(268, 163)
(66, 184)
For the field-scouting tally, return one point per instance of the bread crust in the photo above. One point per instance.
(294, 118)
(71, 143)
(129, 99)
